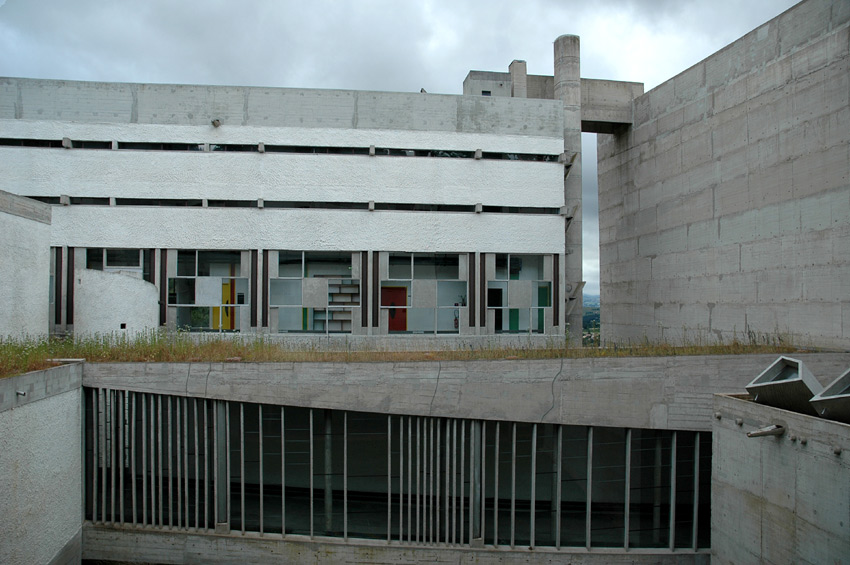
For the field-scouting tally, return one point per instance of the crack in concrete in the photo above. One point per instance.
(207, 379)
(555, 378)
(436, 386)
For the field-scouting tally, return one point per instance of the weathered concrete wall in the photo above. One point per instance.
(105, 300)
(24, 266)
(174, 547)
(41, 467)
(779, 499)
(660, 393)
(726, 208)
(197, 105)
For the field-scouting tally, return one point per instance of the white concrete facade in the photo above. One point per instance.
(143, 167)
(725, 208)
(24, 266)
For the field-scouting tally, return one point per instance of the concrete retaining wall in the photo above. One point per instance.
(725, 210)
(41, 467)
(779, 499)
(24, 266)
(660, 393)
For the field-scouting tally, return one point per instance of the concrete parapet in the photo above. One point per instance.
(781, 499)
(658, 393)
(41, 466)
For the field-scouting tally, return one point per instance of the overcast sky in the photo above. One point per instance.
(369, 45)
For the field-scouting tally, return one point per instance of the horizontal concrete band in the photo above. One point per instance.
(174, 547)
(25, 389)
(655, 393)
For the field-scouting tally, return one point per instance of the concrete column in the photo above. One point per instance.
(519, 79)
(568, 90)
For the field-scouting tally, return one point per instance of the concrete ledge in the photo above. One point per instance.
(24, 207)
(39, 385)
(638, 392)
(146, 545)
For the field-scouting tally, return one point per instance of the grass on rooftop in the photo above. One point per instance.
(21, 355)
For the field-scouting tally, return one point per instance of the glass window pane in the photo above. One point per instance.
(546, 485)
(327, 264)
(704, 511)
(399, 266)
(193, 318)
(543, 296)
(291, 320)
(219, 263)
(185, 263)
(573, 485)
(122, 258)
(526, 267)
(538, 320)
(94, 258)
(285, 292)
(181, 291)
(367, 475)
(289, 264)
(607, 513)
(684, 488)
(649, 490)
(501, 267)
(421, 320)
(497, 294)
(435, 266)
(297, 468)
(448, 320)
(327, 472)
(451, 293)
(339, 320)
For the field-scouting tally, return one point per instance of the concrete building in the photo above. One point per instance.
(724, 193)
(275, 210)
(297, 211)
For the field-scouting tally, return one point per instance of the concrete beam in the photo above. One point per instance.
(606, 105)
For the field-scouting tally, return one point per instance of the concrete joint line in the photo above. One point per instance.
(436, 386)
(554, 379)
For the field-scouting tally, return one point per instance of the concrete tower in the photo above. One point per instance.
(568, 91)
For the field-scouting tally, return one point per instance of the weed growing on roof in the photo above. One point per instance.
(28, 353)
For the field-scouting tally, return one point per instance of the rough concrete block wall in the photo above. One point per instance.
(725, 210)
(779, 499)
(24, 266)
(41, 466)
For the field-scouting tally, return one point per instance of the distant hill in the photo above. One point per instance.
(590, 321)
